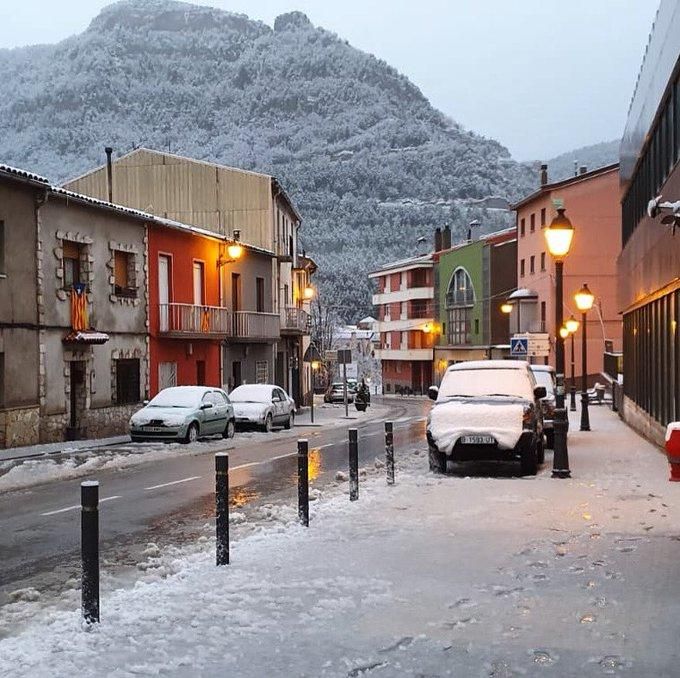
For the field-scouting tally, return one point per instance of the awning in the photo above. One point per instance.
(85, 337)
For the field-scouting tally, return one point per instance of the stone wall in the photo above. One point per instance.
(19, 426)
(100, 422)
(640, 420)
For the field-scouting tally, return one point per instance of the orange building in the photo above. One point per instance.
(592, 204)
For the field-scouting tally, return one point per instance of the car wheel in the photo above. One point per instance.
(550, 439)
(437, 461)
(291, 421)
(192, 434)
(230, 430)
(268, 422)
(529, 461)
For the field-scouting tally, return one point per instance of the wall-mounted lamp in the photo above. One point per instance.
(655, 206)
(234, 251)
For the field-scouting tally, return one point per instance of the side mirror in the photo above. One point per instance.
(145, 402)
(206, 406)
(540, 392)
(433, 392)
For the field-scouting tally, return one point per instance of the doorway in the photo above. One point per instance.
(200, 373)
(235, 292)
(77, 398)
(164, 292)
(236, 373)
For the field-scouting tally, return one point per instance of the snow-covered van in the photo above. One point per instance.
(486, 410)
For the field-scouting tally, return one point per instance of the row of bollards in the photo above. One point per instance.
(89, 499)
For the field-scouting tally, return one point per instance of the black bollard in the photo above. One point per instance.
(560, 451)
(389, 452)
(303, 482)
(89, 549)
(572, 398)
(614, 405)
(353, 465)
(222, 508)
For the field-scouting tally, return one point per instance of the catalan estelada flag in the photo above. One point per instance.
(79, 319)
(205, 321)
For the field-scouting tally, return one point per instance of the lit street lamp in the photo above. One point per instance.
(558, 237)
(584, 302)
(572, 326)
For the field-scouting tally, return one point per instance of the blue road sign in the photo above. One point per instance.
(519, 347)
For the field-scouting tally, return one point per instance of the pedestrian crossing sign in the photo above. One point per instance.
(519, 347)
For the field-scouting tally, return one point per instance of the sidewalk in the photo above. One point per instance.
(480, 576)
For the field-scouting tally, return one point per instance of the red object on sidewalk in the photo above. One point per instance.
(673, 449)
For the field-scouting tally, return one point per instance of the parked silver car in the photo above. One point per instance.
(545, 376)
(184, 413)
(262, 405)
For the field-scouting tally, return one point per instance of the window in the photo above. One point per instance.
(127, 381)
(532, 223)
(71, 263)
(532, 264)
(199, 283)
(124, 274)
(521, 227)
(2, 248)
(542, 217)
(460, 300)
(521, 268)
(167, 375)
(259, 293)
(261, 371)
(476, 325)
(543, 312)
(542, 261)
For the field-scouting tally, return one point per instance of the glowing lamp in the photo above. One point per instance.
(572, 324)
(308, 292)
(559, 235)
(315, 364)
(564, 332)
(506, 308)
(584, 299)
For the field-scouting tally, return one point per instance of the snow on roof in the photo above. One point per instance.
(8, 169)
(421, 259)
(367, 319)
(523, 293)
(489, 365)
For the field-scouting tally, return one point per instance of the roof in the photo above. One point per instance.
(495, 238)
(546, 188)
(523, 293)
(276, 184)
(71, 196)
(489, 365)
(422, 260)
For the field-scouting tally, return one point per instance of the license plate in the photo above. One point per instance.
(154, 429)
(477, 440)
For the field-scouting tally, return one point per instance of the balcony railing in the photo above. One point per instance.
(190, 319)
(537, 326)
(295, 319)
(256, 326)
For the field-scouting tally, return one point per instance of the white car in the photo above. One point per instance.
(184, 413)
(486, 410)
(263, 405)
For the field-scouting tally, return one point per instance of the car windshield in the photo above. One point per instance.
(251, 393)
(472, 383)
(338, 387)
(177, 397)
(544, 378)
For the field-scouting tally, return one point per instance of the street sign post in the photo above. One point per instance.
(530, 345)
(519, 347)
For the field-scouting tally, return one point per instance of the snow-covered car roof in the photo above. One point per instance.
(542, 368)
(489, 365)
(250, 391)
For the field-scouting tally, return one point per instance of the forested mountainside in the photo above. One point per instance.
(370, 163)
(598, 155)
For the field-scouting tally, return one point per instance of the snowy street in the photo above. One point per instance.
(481, 576)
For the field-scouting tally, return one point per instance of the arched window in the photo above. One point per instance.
(460, 298)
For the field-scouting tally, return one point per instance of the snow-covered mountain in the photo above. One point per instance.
(371, 164)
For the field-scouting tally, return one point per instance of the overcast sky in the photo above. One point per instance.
(540, 76)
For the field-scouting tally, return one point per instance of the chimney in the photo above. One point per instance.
(473, 230)
(109, 171)
(582, 169)
(544, 175)
(437, 239)
(575, 168)
(446, 238)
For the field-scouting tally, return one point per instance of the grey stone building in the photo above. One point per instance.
(60, 379)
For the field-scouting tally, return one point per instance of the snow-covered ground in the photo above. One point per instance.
(79, 459)
(481, 576)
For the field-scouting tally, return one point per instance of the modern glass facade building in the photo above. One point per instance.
(649, 264)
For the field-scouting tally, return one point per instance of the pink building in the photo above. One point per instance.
(592, 204)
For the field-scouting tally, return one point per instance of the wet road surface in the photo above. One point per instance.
(166, 499)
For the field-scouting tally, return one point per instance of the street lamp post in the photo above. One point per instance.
(584, 302)
(558, 237)
(572, 326)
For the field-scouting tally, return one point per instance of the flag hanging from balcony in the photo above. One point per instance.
(79, 319)
(205, 320)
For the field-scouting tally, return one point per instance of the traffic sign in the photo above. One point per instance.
(330, 356)
(344, 356)
(519, 347)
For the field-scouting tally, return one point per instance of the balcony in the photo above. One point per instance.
(191, 321)
(256, 327)
(295, 321)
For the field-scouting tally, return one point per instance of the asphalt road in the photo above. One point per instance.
(40, 539)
